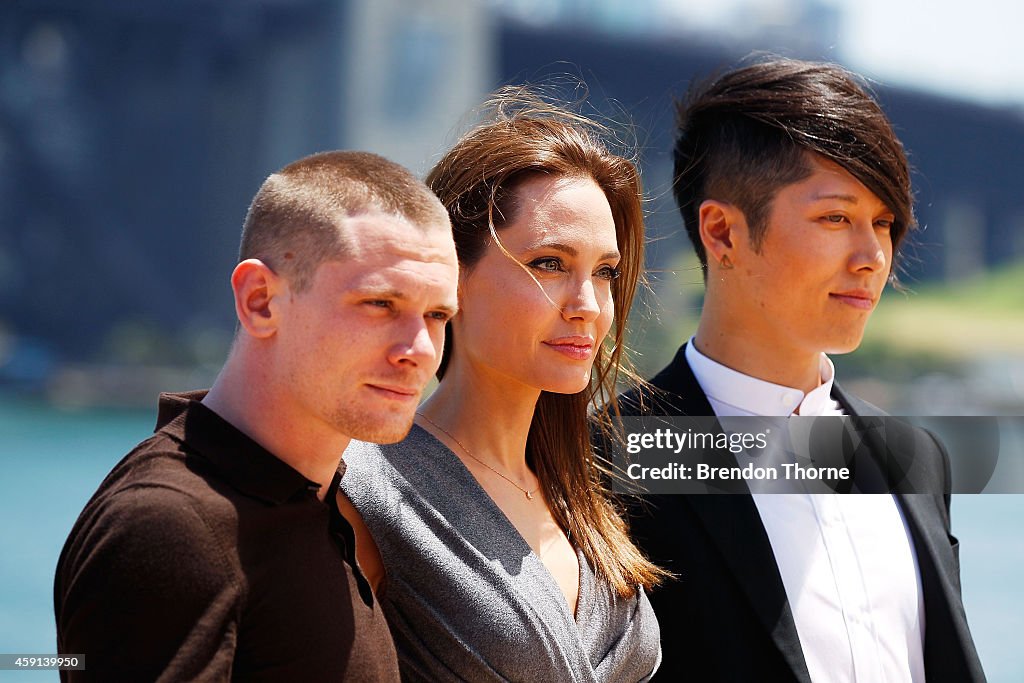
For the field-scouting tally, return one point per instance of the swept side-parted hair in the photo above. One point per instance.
(524, 135)
(745, 134)
(296, 220)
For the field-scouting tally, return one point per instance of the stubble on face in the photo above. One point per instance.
(359, 422)
(370, 323)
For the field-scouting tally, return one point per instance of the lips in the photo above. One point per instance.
(395, 392)
(576, 347)
(857, 298)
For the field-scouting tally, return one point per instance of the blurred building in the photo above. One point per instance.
(966, 157)
(132, 136)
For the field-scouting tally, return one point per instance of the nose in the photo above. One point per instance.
(415, 346)
(870, 250)
(583, 303)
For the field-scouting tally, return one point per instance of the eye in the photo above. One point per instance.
(607, 272)
(835, 218)
(547, 264)
(379, 303)
(441, 316)
(884, 224)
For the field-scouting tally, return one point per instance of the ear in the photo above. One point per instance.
(256, 287)
(719, 223)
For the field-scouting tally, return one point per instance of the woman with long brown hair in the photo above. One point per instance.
(496, 549)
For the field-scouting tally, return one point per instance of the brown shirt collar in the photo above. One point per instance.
(243, 463)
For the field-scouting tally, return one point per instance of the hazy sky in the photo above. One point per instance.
(970, 48)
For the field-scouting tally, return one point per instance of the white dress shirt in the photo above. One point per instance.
(847, 561)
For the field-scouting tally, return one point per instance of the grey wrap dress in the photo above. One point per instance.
(465, 596)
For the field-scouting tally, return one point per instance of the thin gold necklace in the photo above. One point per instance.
(529, 494)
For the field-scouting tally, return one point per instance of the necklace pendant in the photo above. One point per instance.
(529, 495)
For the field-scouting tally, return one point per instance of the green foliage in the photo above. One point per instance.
(937, 327)
(952, 323)
(666, 313)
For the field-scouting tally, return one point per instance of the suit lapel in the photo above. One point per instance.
(949, 653)
(734, 524)
(734, 528)
(915, 464)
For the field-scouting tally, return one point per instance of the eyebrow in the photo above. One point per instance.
(571, 251)
(849, 198)
(398, 295)
(447, 308)
(382, 292)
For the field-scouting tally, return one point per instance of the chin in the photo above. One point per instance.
(847, 345)
(381, 428)
(384, 434)
(567, 385)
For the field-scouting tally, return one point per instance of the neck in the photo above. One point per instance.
(489, 417)
(247, 396)
(729, 342)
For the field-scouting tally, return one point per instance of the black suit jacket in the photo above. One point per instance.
(726, 617)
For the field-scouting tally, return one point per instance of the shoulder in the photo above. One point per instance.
(159, 462)
(148, 530)
(405, 465)
(377, 479)
(365, 491)
(161, 512)
(895, 431)
(364, 472)
(146, 586)
(672, 391)
(360, 460)
(916, 458)
(417, 446)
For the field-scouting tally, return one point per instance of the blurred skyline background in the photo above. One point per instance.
(133, 136)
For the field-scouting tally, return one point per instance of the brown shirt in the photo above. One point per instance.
(203, 557)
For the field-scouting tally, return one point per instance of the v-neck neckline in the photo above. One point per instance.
(585, 588)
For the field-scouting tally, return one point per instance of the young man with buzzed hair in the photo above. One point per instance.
(796, 195)
(215, 549)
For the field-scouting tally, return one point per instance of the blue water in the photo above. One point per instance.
(53, 460)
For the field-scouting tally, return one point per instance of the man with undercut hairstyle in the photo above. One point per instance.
(796, 196)
(215, 550)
